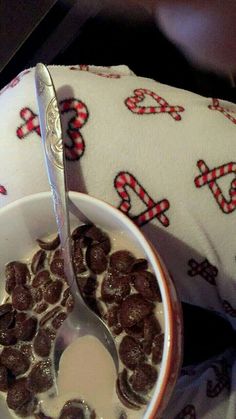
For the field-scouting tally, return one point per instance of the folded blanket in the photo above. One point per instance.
(164, 156)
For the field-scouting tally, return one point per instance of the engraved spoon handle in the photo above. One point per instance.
(51, 132)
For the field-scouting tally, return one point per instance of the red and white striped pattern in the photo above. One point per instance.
(154, 210)
(209, 177)
(216, 107)
(15, 81)
(164, 107)
(74, 150)
(85, 67)
(3, 190)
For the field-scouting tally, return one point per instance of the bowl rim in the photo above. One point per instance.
(172, 334)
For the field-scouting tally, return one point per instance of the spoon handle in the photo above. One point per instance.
(51, 131)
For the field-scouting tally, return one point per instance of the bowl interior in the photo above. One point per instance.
(32, 217)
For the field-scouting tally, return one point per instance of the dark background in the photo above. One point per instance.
(99, 32)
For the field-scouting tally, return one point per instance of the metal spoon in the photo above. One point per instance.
(82, 320)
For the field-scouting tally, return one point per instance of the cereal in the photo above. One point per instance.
(150, 329)
(122, 261)
(18, 394)
(50, 245)
(146, 284)
(26, 329)
(131, 353)
(76, 409)
(7, 337)
(15, 361)
(42, 343)
(38, 261)
(21, 298)
(41, 279)
(133, 309)
(115, 288)
(157, 350)
(57, 267)
(53, 291)
(96, 258)
(3, 378)
(58, 320)
(143, 378)
(116, 285)
(40, 377)
(125, 393)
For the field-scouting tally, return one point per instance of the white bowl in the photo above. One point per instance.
(27, 219)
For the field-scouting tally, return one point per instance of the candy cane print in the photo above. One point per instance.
(154, 210)
(226, 112)
(139, 96)
(209, 178)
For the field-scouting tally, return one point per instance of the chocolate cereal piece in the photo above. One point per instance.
(49, 245)
(143, 378)
(78, 259)
(53, 291)
(112, 318)
(40, 377)
(38, 261)
(5, 308)
(115, 288)
(57, 267)
(41, 307)
(151, 329)
(7, 319)
(139, 264)
(3, 378)
(18, 394)
(41, 415)
(58, 320)
(15, 361)
(41, 279)
(157, 351)
(7, 337)
(133, 309)
(96, 258)
(121, 261)
(131, 353)
(80, 231)
(136, 331)
(146, 284)
(49, 315)
(76, 409)
(21, 298)
(28, 408)
(42, 343)
(16, 273)
(26, 329)
(125, 393)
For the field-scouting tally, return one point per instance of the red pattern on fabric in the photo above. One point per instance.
(15, 81)
(226, 112)
(154, 209)
(3, 190)
(204, 269)
(85, 67)
(228, 308)
(210, 177)
(188, 412)
(222, 379)
(74, 149)
(164, 107)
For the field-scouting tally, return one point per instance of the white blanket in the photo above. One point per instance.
(166, 157)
